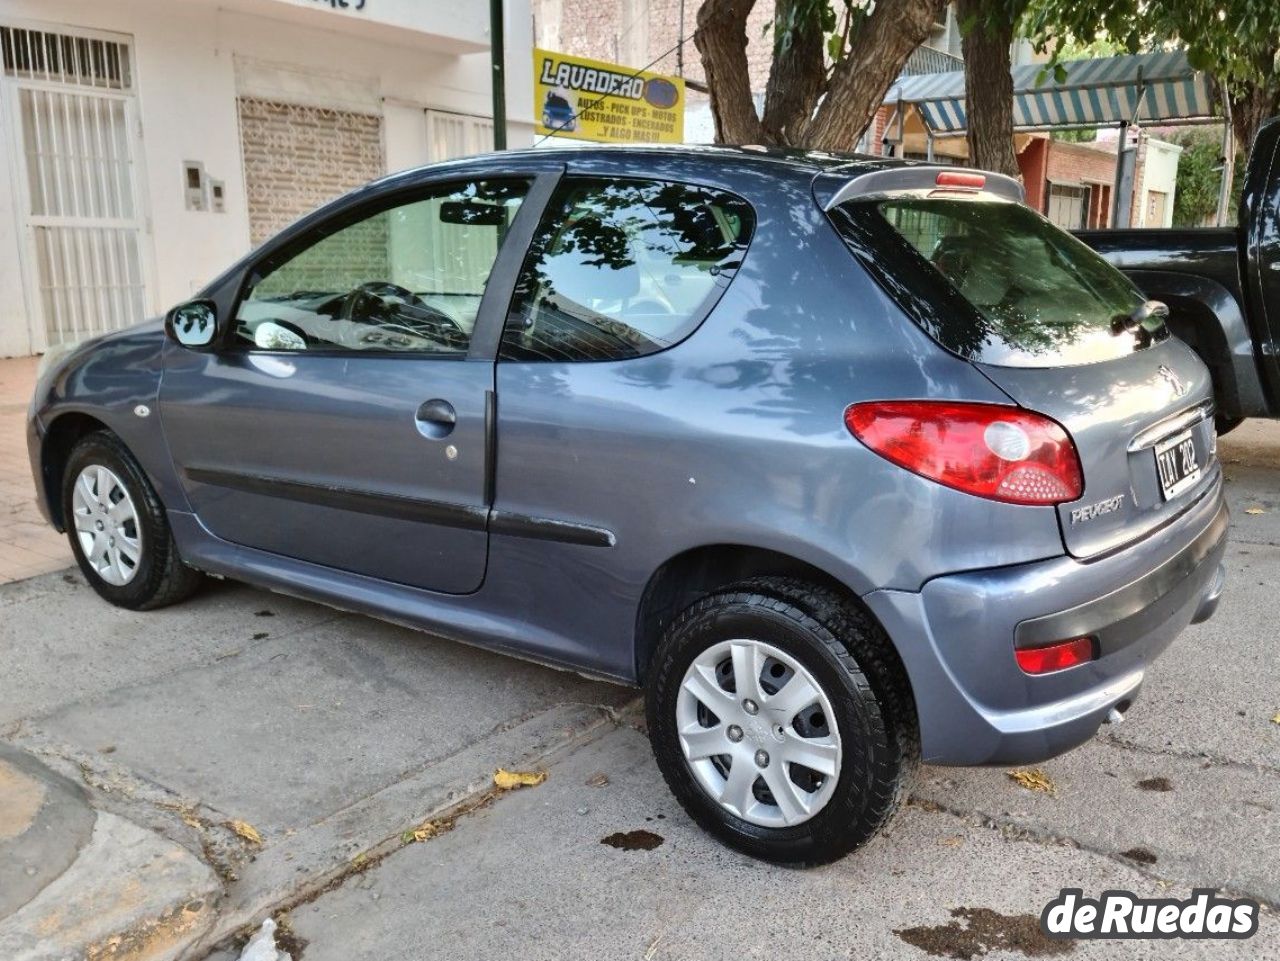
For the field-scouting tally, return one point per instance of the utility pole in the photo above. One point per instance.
(497, 56)
(680, 48)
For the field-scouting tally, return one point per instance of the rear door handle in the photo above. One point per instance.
(436, 418)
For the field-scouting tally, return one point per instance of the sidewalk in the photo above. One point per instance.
(279, 744)
(80, 882)
(28, 546)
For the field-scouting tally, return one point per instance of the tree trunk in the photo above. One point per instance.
(721, 39)
(1249, 109)
(988, 89)
(879, 49)
(797, 76)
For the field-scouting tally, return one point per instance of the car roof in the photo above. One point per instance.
(623, 157)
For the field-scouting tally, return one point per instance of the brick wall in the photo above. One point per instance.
(1044, 162)
(297, 158)
(607, 30)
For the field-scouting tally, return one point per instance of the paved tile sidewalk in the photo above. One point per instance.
(28, 546)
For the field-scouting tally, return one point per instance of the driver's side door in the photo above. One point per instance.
(346, 418)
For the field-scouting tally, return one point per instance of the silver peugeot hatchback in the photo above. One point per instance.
(849, 463)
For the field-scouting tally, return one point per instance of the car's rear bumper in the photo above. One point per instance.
(957, 637)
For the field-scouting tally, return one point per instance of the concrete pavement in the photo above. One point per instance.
(279, 750)
(275, 743)
(530, 878)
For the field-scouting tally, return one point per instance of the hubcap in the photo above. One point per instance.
(758, 733)
(106, 524)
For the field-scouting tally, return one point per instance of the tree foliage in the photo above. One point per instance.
(1195, 201)
(1235, 41)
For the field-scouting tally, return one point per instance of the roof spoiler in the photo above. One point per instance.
(915, 180)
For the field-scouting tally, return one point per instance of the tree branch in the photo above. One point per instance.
(797, 76)
(721, 39)
(877, 53)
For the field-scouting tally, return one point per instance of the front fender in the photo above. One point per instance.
(115, 381)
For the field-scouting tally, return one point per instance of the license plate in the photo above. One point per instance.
(1177, 465)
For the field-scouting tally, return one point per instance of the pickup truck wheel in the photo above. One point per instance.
(118, 530)
(1225, 425)
(782, 721)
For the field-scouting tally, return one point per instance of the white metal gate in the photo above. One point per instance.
(451, 135)
(70, 104)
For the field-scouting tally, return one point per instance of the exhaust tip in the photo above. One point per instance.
(1116, 714)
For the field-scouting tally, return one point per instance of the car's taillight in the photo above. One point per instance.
(1003, 453)
(1055, 657)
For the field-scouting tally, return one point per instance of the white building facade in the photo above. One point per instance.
(147, 144)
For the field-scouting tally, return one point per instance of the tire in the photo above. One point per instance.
(850, 660)
(155, 575)
(1225, 424)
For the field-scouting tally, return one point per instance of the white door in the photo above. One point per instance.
(1066, 206)
(71, 115)
(451, 135)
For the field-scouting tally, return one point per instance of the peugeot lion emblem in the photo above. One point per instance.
(1173, 380)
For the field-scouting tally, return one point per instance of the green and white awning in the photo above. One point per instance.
(1148, 88)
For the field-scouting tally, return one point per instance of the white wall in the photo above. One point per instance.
(186, 55)
(1160, 173)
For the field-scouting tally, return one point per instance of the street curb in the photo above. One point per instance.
(293, 871)
(130, 893)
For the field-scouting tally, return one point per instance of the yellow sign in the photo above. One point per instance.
(592, 100)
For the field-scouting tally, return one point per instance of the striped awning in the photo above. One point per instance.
(1149, 88)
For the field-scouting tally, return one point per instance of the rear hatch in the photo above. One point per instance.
(1052, 325)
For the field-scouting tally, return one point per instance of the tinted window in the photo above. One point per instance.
(623, 268)
(409, 278)
(992, 281)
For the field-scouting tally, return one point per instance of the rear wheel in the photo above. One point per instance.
(117, 527)
(1225, 424)
(782, 721)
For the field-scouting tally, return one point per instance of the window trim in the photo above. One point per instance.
(695, 320)
(499, 288)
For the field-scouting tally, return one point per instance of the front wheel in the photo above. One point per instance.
(782, 720)
(117, 527)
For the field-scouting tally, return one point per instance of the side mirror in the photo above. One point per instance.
(194, 324)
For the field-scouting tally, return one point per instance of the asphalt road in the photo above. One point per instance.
(331, 733)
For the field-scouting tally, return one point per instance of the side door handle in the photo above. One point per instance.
(436, 418)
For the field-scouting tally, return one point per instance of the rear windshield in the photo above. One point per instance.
(993, 281)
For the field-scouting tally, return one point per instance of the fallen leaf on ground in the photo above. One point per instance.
(509, 780)
(1276, 719)
(1033, 780)
(246, 830)
(427, 830)
(1255, 510)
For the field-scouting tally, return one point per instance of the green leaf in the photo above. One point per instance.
(835, 46)
(1199, 59)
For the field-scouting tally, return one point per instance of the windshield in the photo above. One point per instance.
(993, 281)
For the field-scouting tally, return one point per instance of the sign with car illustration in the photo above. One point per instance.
(592, 100)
